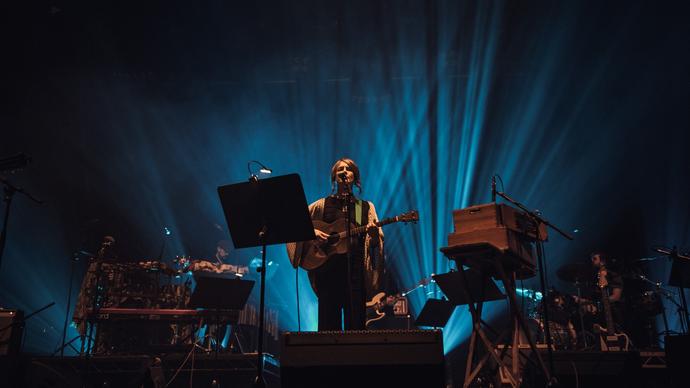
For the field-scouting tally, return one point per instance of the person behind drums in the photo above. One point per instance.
(598, 262)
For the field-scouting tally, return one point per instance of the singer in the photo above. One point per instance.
(339, 294)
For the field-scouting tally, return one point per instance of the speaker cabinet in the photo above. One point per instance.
(379, 358)
(11, 328)
(677, 353)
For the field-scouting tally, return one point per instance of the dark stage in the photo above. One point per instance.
(511, 174)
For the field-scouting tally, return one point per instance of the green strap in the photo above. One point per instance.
(358, 212)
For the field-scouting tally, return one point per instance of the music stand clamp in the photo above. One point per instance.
(266, 212)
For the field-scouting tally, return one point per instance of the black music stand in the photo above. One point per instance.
(680, 278)
(266, 212)
(468, 287)
(220, 293)
(435, 313)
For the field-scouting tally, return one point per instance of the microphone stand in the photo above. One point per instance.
(259, 381)
(73, 262)
(348, 203)
(9, 191)
(539, 220)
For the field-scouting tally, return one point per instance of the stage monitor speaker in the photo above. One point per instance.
(377, 358)
(11, 328)
(677, 349)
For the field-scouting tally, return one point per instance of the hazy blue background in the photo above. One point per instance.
(135, 113)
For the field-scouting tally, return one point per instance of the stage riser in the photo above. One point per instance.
(387, 358)
(135, 371)
(599, 369)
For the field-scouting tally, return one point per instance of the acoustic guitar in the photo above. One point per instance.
(316, 253)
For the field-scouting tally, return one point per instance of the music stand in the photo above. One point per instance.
(435, 313)
(266, 212)
(220, 293)
(468, 287)
(680, 278)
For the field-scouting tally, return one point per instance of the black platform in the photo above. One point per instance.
(229, 370)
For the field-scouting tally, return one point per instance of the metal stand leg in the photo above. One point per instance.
(512, 371)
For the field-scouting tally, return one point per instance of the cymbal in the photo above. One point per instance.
(643, 259)
(576, 273)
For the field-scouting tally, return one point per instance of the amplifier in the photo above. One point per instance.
(677, 352)
(363, 358)
(11, 328)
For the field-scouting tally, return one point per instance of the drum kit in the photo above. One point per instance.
(574, 316)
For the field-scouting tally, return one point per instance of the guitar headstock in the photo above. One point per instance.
(411, 216)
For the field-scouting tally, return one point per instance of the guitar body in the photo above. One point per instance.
(374, 307)
(315, 253)
(613, 342)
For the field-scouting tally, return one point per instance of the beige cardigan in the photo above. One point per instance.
(373, 254)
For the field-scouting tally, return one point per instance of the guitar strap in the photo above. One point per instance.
(358, 212)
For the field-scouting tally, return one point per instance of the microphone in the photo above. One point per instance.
(493, 188)
(342, 176)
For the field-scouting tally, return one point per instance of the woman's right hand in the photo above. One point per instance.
(320, 236)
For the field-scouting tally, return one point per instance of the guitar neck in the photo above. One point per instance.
(362, 229)
(610, 325)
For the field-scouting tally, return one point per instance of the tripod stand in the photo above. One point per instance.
(474, 287)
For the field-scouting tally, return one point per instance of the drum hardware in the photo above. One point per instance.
(651, 302)
(580, 275)
(583, 335)
(529, 294)
(645, 259)
(680, 277)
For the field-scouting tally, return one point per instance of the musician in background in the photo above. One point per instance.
(223, 249)
(221, 262)
(599, 261)
(339, 295)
